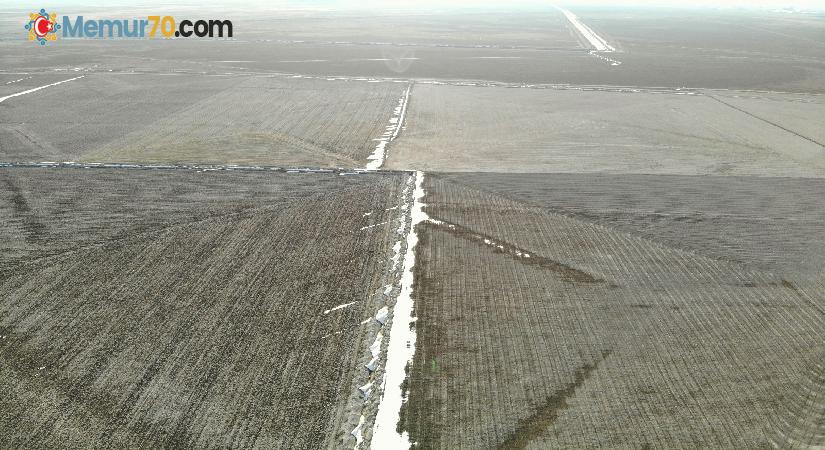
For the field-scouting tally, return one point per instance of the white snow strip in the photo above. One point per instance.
(487, 241)
(376, 159)
(17, 81)
(2, 99)
(599, 43)
(385, 59)
(373, 225)
(339, 307)
(400, 120)
(401, 347)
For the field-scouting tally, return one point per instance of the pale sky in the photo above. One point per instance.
(360, 4)
(378, 5)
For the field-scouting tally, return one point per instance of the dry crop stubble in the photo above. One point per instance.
(769, 224)
(267, 120)
(592, 129)
(197, 332)
(671, 349)
(199, 118)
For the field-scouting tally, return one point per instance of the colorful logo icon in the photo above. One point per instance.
(42, 27)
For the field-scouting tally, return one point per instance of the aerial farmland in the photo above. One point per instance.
(463, 226)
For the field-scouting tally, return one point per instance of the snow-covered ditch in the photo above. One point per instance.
(376, 159)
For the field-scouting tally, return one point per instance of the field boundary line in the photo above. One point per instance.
(199, 167)
(2, 99)
(765, 120)
(683, 90)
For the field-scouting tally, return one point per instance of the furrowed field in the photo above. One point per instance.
(192, 313)
(542, 330)
(612, 130)
(506, 226)
(203, 119)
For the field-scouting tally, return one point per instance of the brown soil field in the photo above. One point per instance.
(670, 47)
(216, 119)
(769, 224)
(540, 330)
(202, 327)
(623, 250)
(499, 129)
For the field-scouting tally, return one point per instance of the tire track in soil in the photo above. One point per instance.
(568, 273)
(532, 427)
(32, 228)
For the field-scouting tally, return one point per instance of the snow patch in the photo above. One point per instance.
(373, 225)
(366, 390)
(375, 348)
(339, 307)
(17, 81)
(372, 365)
(382, 315)
(357, 432)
